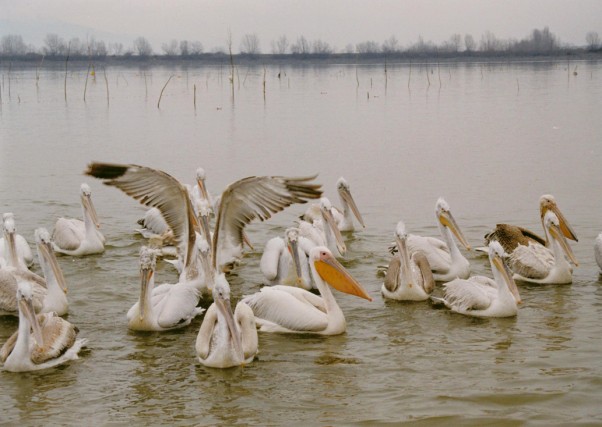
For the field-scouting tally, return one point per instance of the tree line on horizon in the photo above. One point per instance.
(538, 42)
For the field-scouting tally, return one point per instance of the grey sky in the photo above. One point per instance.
(337, 22)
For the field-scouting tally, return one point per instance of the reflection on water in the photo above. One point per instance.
(490, 138)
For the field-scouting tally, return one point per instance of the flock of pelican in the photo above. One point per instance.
(299, 268)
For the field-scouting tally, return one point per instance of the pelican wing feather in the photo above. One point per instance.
(435, 250)
(68, 233)
(534, 260)
(255, 197)
(467, 295)
(287, 310)
(154, 188)
(58, 335)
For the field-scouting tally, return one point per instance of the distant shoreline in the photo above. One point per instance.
(293, 59)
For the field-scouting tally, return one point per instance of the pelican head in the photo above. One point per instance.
(200, 180)
(25, 303)
(46, 254)
(147, 271)
(547, 203)
(292, 244)
(332, 272)
(86, 198)
(10, 231)
(401, 236)
(553, 228)
(445, 217)
(346, 197)
(497, 257)
(221, 297)
(325, 209)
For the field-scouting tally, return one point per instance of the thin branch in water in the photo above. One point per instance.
(161, 94)
(86, 85)
(517, 86)
(10, 66)
(410, 74)
(264, 71)
(66, 62)
(106, 84)
(194, 98)
(38, 71)
(357, 79)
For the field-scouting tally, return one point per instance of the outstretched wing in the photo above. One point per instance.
(157, 189)
(255, 197)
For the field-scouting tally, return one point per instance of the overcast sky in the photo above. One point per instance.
(337, 22)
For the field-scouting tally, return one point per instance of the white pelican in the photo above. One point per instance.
(295, 310)
(165, 307)
(324, 231)
(510, 236)
(409, 277)
(538, 264)
(53, 341)
(481, 296)
(199, 191)
(285, 261)
(76, 237)
(225, 339)
(344, 219)
(444, 257)
(24, 255)
(49, 293)
(241, 202)
(598, 250)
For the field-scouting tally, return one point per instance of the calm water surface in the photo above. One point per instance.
(490, 138)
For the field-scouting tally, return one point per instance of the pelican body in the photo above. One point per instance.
(536, 263)
(52, 342)
(49, 293)
(285, 260)
(511, 236)
(289, 309)
(324, 230)
(480, 296)
(164, 307)
(444, 257)
(76, 237)
(408, 277)
(226, 339)
(598, 251)
(24, 256)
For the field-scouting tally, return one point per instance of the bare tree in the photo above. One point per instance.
(184, 48)
(490, 43)
(196, 48)
(142, 47)
(97, 47)
(171, 48)
(455, 42)
(367, 47)
(54, 45)
(12, 44)
(280, 45)
(349, 48)
(250, 44)
(301, 46)
(391, 45)
(593, 40)
(116, 49)
(321, 47)
(469, 44)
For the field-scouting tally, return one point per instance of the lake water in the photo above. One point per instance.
(491, 138)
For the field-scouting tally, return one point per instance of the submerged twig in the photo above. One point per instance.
(161, 94)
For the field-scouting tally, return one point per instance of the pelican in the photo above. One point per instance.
(408, 278)
(510, 236)
(538, 264)
(76, 237)
(324, 231)
(24, 255)
(49, 293)
(165, 307)
(294, 310)
(199, 191)
(285, 260)
(598, 250)
(225, 339)
(344, 219)
(53, 341)
(444, 257)
(481, 296)
(241, 202)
